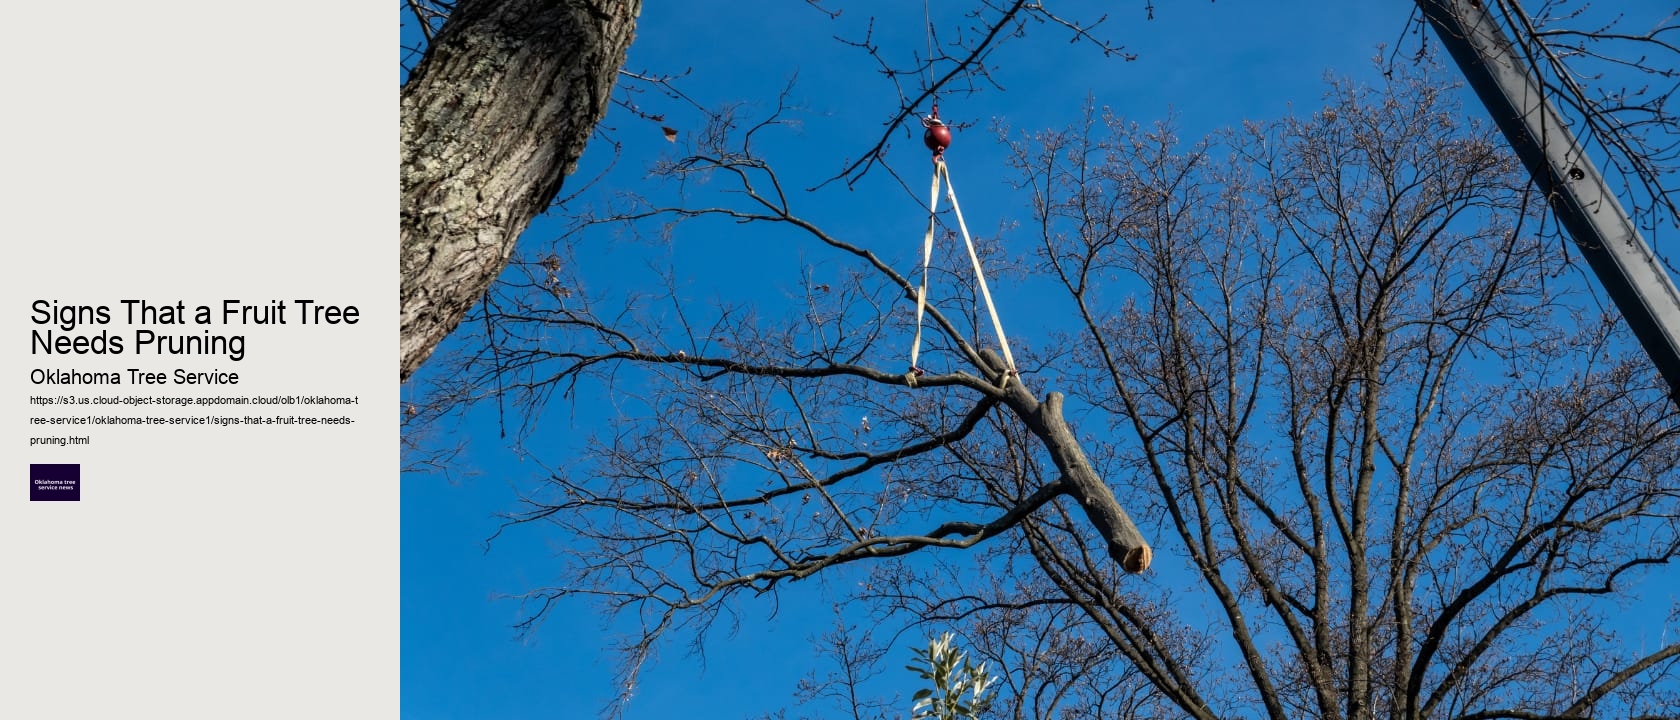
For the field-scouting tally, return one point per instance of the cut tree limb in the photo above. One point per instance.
(1125, 543)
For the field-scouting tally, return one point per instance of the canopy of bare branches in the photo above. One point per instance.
(1331, 367)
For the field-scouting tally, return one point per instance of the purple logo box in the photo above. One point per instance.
(55, 482)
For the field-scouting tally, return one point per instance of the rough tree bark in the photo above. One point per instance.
(493, 119)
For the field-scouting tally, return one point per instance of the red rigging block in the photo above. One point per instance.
(937, 137)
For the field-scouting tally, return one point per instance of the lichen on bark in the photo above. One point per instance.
(493, 118)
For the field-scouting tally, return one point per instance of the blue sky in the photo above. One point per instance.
(1211, 65)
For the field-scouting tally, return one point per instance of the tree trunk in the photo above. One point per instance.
(493, 119)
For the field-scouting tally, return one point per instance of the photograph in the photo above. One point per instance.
(993, 359)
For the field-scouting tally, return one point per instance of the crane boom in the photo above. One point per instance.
(1561, 168)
